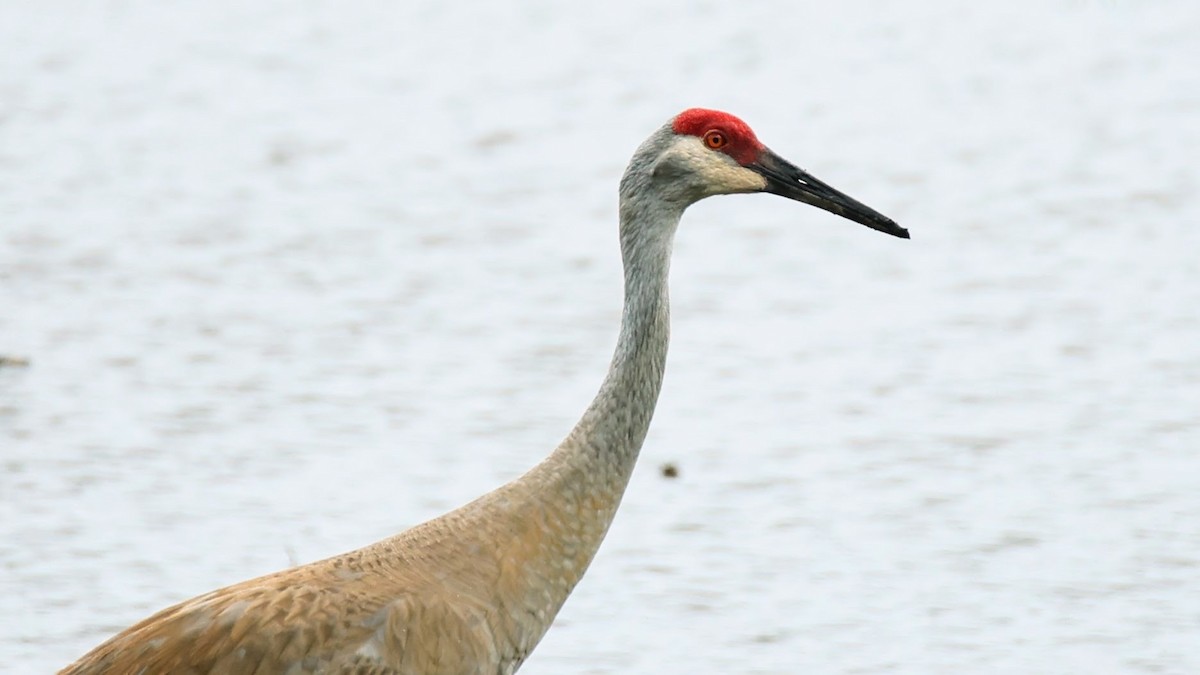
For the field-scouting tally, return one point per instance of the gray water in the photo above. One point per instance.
(292, 277)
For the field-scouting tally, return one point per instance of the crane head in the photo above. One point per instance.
(716, 153)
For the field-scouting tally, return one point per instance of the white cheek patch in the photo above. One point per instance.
(740, 179)
(692, 171)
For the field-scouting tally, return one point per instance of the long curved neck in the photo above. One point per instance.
(544, 528)
(618, 418)
(609, 436)
(574, 493)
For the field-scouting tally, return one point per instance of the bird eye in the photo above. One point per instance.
(715, 139)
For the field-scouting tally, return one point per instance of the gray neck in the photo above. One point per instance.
(611, 431)
(551, 520)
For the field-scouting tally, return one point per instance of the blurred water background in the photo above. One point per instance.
(291, 277)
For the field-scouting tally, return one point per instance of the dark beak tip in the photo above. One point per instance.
(788, 180)
(885, 225)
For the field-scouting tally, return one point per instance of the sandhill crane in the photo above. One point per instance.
(473, 591)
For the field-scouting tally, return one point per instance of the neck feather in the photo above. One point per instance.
(552, 520)
(610, 434)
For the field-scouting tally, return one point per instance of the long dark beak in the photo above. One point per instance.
(788, 180)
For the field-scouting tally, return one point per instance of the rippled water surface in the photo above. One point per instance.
(292, 277)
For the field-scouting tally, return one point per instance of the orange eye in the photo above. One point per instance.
(715, 139)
